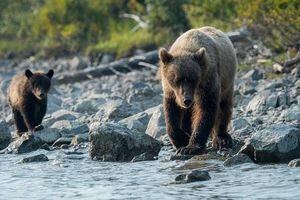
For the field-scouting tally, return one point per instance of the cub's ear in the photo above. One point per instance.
(165, 56)
(28, 73)
(199, 55)
(50, 73)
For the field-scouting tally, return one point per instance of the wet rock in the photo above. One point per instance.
(24, 144)
(157, 127)
(143, 157)
(5, 136)
(80, 138)
(36, 158)
(294, 163)
(115, 110)
(194, 176)
(114, 142)
(78, 63)
(276, 143)
(237, 160)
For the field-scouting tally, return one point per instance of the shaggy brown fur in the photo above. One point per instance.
(27, 96)
(198, 77)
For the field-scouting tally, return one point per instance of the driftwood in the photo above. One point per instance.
(120, 66)
(147, 60)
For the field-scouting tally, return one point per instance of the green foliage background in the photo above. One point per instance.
(61, 27)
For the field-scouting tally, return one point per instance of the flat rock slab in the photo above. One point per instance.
(278, 143)
(36, 158)
(114, 142)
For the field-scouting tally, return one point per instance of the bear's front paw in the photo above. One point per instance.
(190, 150)
(223, 141)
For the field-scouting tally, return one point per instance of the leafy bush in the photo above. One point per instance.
(58, 27)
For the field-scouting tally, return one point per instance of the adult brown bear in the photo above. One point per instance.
(197, 78)
(27, 96)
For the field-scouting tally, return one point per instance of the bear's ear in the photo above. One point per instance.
(199, 55)
(165, 56)
(28, 73)
(50, 73)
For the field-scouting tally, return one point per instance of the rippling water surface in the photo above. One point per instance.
(77, 177)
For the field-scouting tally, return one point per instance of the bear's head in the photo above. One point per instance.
(39, 83)
(183, 74)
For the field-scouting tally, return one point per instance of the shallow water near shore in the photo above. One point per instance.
(78, 177)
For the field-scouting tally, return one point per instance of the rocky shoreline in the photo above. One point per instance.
(119, 117)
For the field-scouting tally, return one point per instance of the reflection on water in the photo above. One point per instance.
(77, 177)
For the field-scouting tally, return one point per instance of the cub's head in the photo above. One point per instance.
(39, 83)
(183, 74)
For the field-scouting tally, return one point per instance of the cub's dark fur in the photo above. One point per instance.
(27, 96)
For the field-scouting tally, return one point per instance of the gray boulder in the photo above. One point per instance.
(237, 160)
(114, 142)
(89, 106)
(193, 176)
(265, 100)
(115, 110)
(5, 136)
(157, 127)
(277, 143)
(137, 122)
(48, 135)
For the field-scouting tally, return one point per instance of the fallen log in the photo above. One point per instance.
(120, 66)
(146, 60)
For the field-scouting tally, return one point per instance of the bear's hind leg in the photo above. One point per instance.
(221, 138)
(19, 122)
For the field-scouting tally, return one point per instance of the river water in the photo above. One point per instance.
(75, 176)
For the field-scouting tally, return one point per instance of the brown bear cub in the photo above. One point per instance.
(27, 96)
(197, 78)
